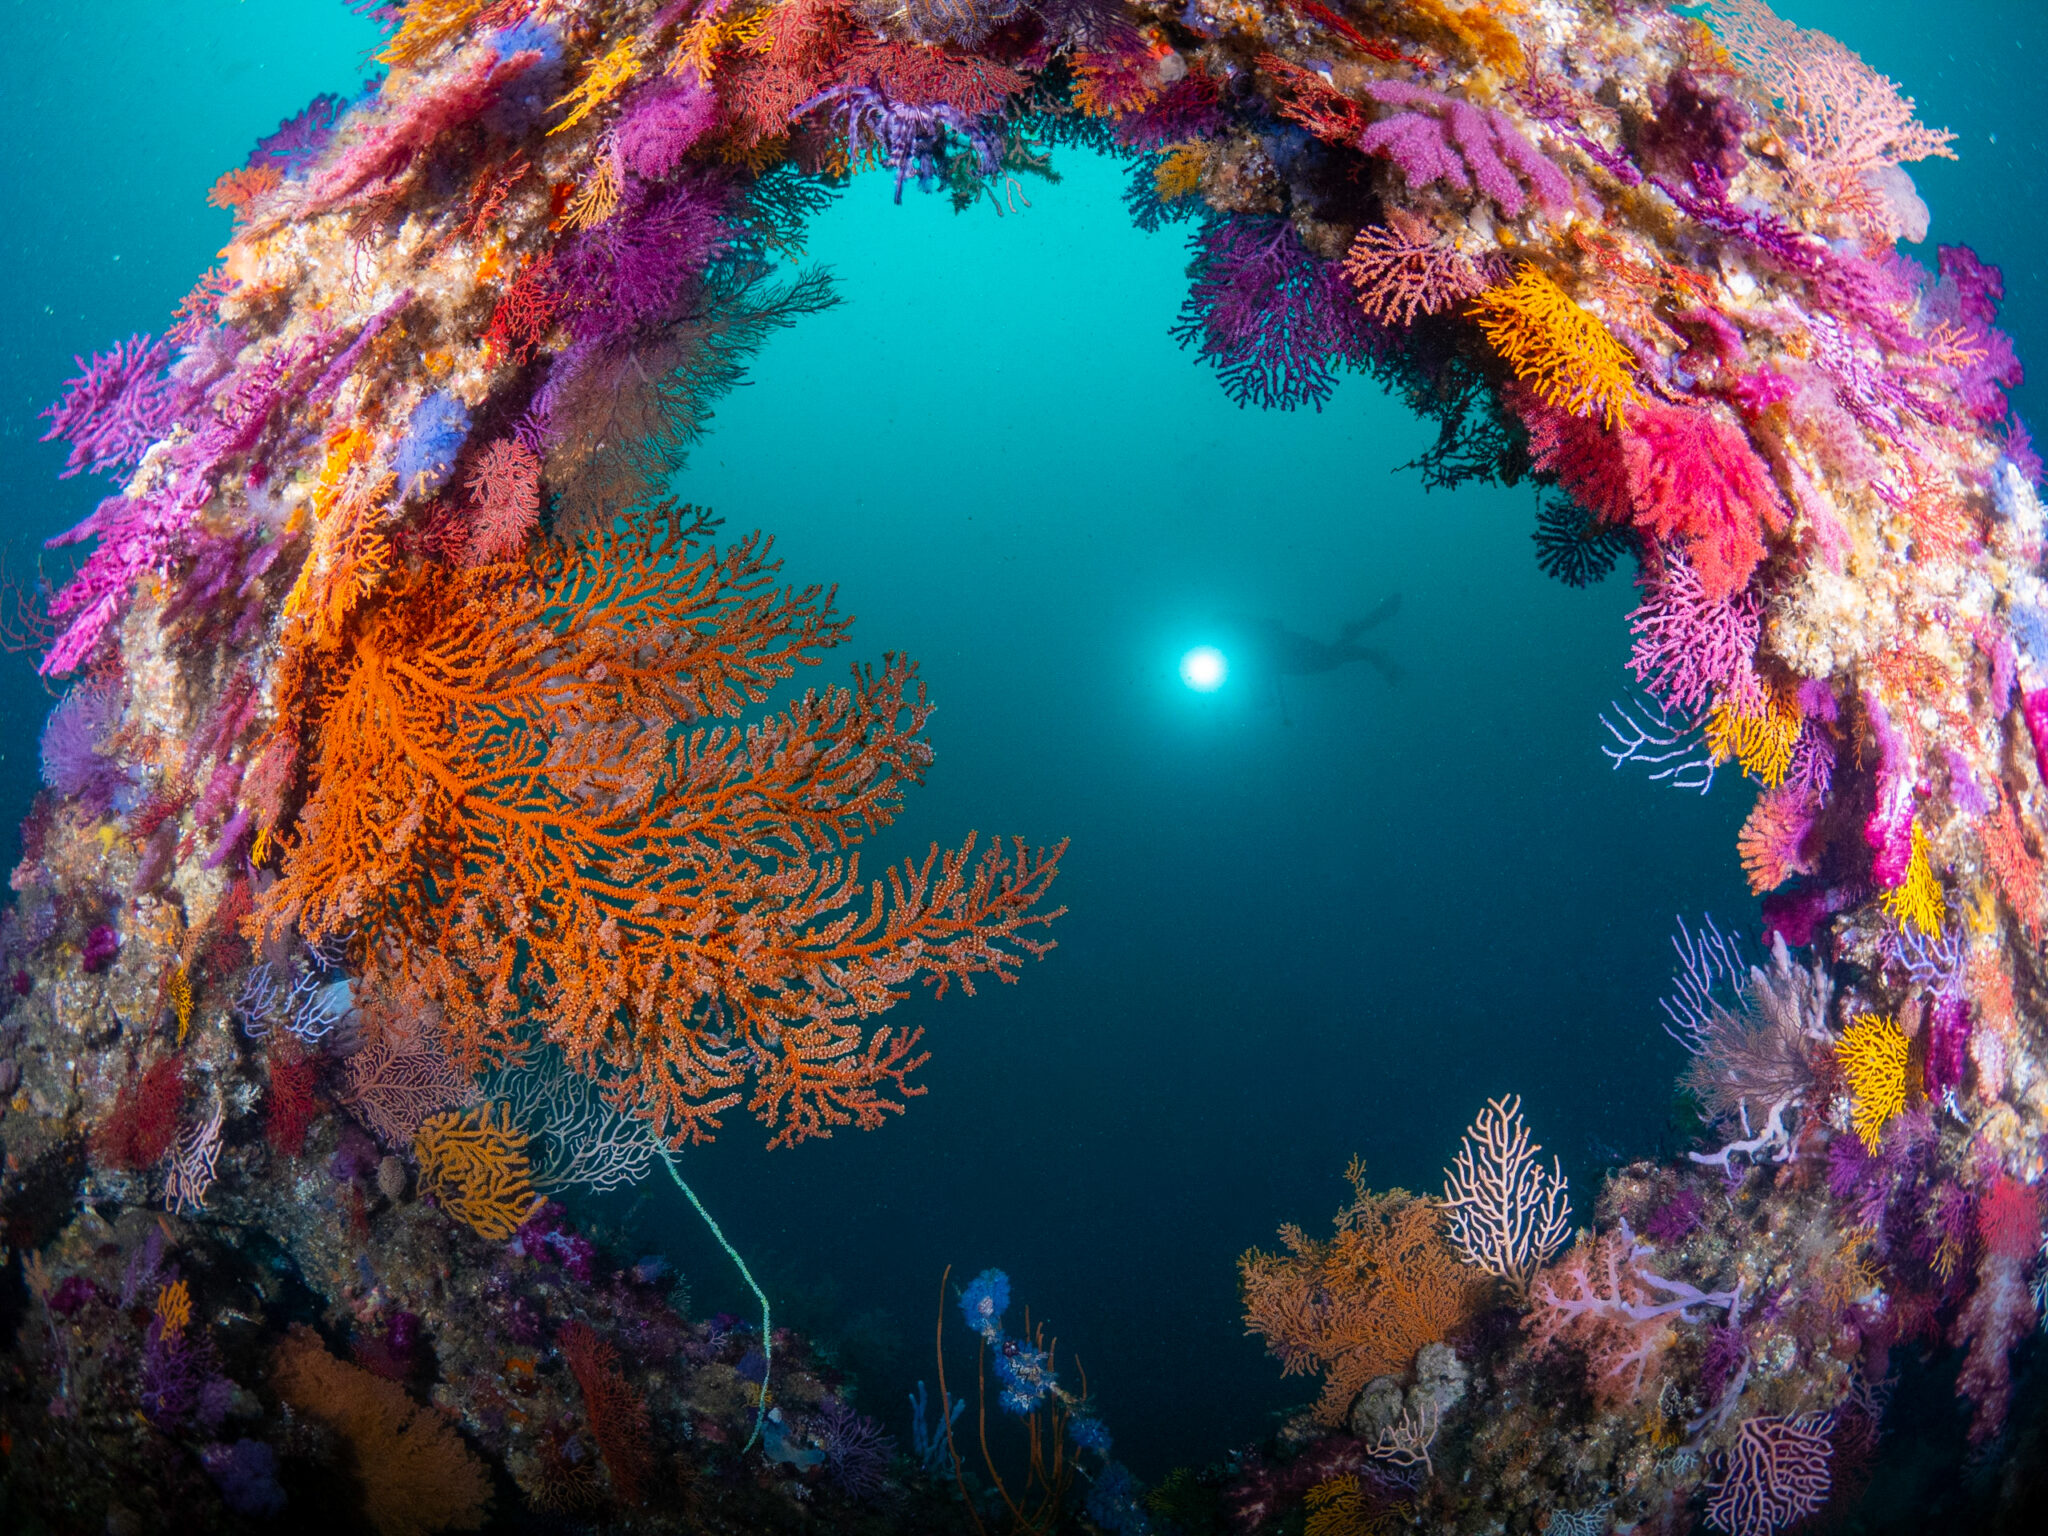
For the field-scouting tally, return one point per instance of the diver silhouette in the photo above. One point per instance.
(1263, 651)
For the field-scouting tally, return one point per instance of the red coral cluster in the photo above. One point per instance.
(143, 1123)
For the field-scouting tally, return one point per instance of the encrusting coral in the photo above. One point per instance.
(415, 732)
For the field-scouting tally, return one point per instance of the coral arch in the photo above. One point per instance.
(425, 695)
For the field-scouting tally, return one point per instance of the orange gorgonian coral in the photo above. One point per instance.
(476, 1168)
(1771, 839)
(1362, 1303)
(517, 805)
(238, 188)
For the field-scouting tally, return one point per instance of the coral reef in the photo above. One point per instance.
(415, 735)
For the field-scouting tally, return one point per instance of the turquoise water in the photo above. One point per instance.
(1301, 926)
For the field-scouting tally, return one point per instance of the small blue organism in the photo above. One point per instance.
(426, 454)
(984, 1301)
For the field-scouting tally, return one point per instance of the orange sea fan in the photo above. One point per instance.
(1771, 838)
(238, 188)
(1116, 82)
(516, 804)
(2018, 871)
(1362, 1303)
(1556, 348)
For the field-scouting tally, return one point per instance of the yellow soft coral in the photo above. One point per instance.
(174, 1308)
(428, 24)
(477, 1169)
(1917, 902)
(1761, 739)
(1872, 1053)
(1557, 348)
(607, 77)
(1180, 172)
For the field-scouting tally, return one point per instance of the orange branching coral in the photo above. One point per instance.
(1179, 172)
(597, 199)
(174, 1306)
(476, 1168)
(238, 188)
(1557, 348)
(516, 804)
(1473, 31)
(417, 1475)
(1362, 1303)
(2017, 870)
(350, 556)
(1114, 82)
(1771, 839)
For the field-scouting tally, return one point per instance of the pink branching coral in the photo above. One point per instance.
(1844, 116)
(1777, 1473)
(1690, 647)
(505, 486)
(1438, 138)
(1405, 267)
(1603, 1300)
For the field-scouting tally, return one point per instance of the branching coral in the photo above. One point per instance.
(516, 805)
(1556, 348)
(475, 1166)
(1361, 1303)
(1872, 1052)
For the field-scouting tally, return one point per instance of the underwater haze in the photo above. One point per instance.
(1310, 914)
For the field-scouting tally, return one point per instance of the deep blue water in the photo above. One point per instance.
(1301, 927)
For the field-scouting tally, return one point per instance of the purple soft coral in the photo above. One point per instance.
(115, 409)
(1272, 318)
(1445, 138)
(298, 140)
(661, 125)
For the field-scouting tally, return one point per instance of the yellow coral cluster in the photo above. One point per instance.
(1917, 902)
(608, 76)
(180, 988)
(174, 1307)
(1180, 172)
(1761, 740)
(1872, 1052)
(1557, 348)
(476, 1169)
(428, 24)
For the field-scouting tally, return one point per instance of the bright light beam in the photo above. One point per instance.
(1204, 669)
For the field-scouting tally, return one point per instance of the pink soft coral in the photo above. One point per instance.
(1601, 1299)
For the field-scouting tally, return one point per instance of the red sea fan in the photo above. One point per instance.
(1578, 452)
(143, 1123)
(1693, 478)
(506, 486)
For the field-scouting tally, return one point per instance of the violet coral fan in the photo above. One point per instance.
(118, 405)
